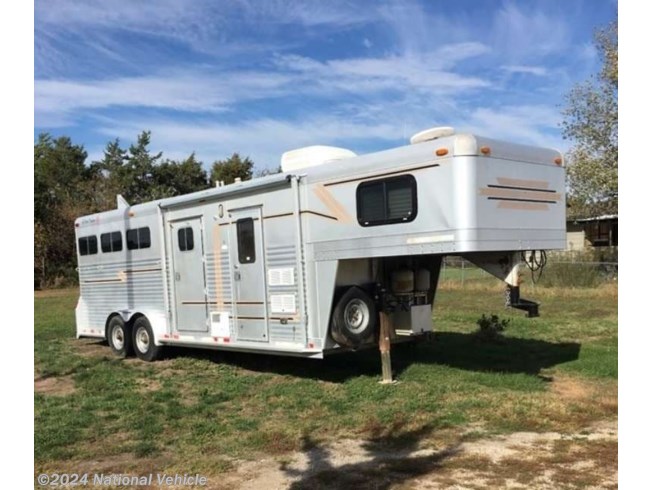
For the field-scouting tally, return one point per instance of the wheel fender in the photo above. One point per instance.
(158, 322)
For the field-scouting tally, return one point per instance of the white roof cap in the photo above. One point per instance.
(311, 156)
(431, 134)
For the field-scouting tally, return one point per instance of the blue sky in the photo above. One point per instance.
(264, 77)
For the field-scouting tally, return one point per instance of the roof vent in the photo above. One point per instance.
(311, 156)
(431, 134)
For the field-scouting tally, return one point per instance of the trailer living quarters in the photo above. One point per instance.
(302, 262)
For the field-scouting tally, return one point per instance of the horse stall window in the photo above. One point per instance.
(111, 242)
(87, 245)
(138, 238)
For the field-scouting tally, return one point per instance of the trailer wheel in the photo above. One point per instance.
(144, 340)
(119, 337)
(354, 318)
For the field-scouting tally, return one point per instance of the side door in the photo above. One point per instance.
(189, 276)
(250, 305)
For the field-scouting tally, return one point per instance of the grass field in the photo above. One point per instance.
(209, 412)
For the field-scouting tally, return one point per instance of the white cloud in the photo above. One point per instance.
(520, 33)
(198, 90)
(538, 71)
(528, 124)
(186, 92)
(427, 71)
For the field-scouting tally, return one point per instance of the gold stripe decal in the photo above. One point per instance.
(217, 253)
(521, 194)
(537, 184)
(332, 204)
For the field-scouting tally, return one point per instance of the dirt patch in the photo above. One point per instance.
(518, 460)
(148, 385)
(123, 463)
(61, 386)
(570, 388)
(91, 347)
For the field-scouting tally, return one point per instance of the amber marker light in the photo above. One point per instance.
(485, 150)
(441, 152)
(558, 160)
(131, 214)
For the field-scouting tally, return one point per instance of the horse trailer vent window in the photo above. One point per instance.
(387, 201)
(111, 242)
(246, 244)
(138, 238)
(185, 238)
(88, 245)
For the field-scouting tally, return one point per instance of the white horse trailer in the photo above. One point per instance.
(305, 262)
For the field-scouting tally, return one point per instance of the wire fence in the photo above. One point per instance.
(563, 269)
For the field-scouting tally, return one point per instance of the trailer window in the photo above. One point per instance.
(246, 244)
(185, 239)
(387, 201)
(138, 238)
(87, 245)
(111, 242)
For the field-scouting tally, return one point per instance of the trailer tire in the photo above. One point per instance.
(354, 318)
(119, 337)
(143, 340)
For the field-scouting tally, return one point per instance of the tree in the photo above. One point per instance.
(108, 176)
(127, 172)
(231, 168)
(268, 171)
(174, 178)
(61, 193)
(591, 122)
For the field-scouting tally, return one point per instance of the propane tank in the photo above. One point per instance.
(402, 281)
(422, 280)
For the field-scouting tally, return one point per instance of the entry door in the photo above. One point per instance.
(248, 272)
(188, 275)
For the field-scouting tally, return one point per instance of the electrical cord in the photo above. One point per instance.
(536, 262)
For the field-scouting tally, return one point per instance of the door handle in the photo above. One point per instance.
(237, 276)
(177, 276)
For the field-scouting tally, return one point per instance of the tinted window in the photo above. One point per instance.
(138, 238)
(185, 238)
(87, 245)
(382, 202)
(111, 242)
(132, 239)
(246, 244)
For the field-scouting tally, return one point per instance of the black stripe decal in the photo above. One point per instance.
(520, 200)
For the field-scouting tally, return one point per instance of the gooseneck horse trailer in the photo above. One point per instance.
(307, 261)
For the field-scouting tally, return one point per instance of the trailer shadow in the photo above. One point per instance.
(453, 349)
(387, 459)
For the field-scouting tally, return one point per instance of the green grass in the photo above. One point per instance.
(196, 410)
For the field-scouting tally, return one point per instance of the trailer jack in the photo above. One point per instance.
(386, 334)
(513, 300)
